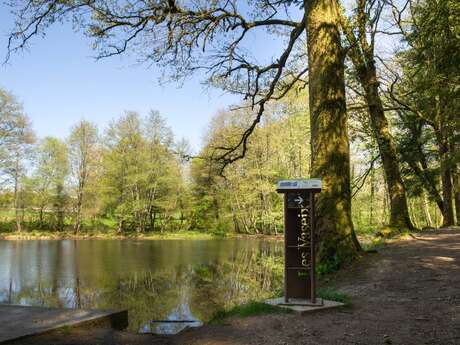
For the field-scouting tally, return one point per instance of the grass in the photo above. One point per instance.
(371, 245)
(334, 295)
(251, 308)
(106, 234)
(66, 329)
(254, 308)
(102, 227)
(374, 238)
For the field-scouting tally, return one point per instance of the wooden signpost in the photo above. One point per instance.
(299, 241)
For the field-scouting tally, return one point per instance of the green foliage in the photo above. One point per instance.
(16, 134)
(251, 308)
(66, 329)
(334, 295)
(245, 201)
(140, 183)
(130, 180)
(83, 152)
(141, 176)
(49, 179)
(428, 94)
(332, 264)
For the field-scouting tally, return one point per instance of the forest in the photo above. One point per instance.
(368, 100)
(186, 242)
(133, 176)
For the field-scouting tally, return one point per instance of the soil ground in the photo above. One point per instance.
(407, 293)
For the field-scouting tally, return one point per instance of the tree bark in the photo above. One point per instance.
(16, 196)
(40, 218)
(441, 131)
(371, 202)
(426, 210)
(399, 214)
(446, 175)
(60, 207)
(420, 170)
(82, 175)
(120, 227)
(329, 135)
(362, 56)
(77, 225)
(448, 211)
(456, 182)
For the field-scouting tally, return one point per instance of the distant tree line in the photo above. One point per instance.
(131, 174)
(134, 175)
(381, 121)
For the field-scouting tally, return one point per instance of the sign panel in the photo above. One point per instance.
(297, 200)
(299, 238)
(299, 184)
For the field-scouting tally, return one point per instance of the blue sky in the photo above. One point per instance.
(59, 83)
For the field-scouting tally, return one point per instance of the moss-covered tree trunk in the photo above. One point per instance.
(420, 167)
(361, 53)
(446, 180)
(442, 138)
(399, 213)
(329, 135)
(448, 211)
(456, 182)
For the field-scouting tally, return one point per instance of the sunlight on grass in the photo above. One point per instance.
(251, 308)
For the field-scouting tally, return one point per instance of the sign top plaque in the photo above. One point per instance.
(299, 184)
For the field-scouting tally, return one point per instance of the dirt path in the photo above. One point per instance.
(408, 293)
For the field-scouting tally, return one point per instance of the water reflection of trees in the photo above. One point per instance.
(250, 276)
(196, 291)
(183, 291)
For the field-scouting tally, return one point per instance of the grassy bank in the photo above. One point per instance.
(106, 228)
(255, 308)
(369, 240)
(373, 238)
(251, 308)
(95, 234)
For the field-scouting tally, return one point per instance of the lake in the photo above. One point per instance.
(154, 279)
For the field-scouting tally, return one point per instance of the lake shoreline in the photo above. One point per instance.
(97, 235)
(382, 306)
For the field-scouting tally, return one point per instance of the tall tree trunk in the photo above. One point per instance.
(385, 205)
(60, 207)
(455, 170)
(456, 181)
(16, 196)
(371, 203)
(418, 162)
(441, 131)
(120, 226)
(399, 214)
(153, 219)
(40, 217)
(426, 210)
(329, 135)
(362, 56)
(428, 182)
(82, 175)
(448, 211)
(77, 225)
(446, 176)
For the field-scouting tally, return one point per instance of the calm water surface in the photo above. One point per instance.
(154, 280)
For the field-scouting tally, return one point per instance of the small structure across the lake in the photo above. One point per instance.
(17, 322)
